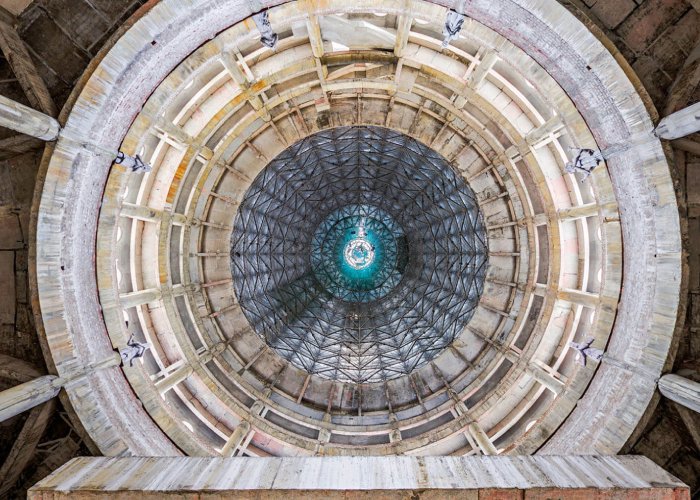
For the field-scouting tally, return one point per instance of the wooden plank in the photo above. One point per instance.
(22, 65)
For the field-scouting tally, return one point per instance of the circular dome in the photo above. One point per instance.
(358, 254)
(191, 89)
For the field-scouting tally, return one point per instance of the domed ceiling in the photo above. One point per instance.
(358, 254)
(359, 235)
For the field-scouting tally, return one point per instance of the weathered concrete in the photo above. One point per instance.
(25, 396)
(680, 124)
(360, 477)
(29, 394)
(682, 390)
(502, 400)
(28, 121)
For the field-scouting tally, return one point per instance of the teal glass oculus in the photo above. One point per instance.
(359, 253)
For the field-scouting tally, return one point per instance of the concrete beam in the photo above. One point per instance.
(403, 29)
(236, 439)
(679, 124)
(579, 212)
(20, 398)
(148, 214)
(26, 120)
(579, 297)
(314, 29)
(26, 396)
(546, 379)
(241, 78)
(682, 390)
(140, 297)
(478, 76)
(538, 135)
(183, 372)
(173, 379)
(239, 437)
(482, 439)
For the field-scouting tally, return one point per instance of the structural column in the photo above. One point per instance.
(679, 124)
(25, 396)
(183, 372)
(26, 120)
(682, 390)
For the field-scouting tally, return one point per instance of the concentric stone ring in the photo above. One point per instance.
(210, 255)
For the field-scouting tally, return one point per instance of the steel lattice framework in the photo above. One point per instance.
(273, 256)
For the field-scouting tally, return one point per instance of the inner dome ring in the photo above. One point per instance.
(390, 316)
(385, 239)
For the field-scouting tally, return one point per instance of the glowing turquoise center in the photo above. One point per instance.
(359, 253)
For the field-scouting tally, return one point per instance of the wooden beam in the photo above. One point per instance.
(687, 145)
(691, 420)
(18, 144)
(24, 69)
(27, 120)
(17, 370)
(687, 79)
(22, 450)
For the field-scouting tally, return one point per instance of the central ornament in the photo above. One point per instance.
(359, 253)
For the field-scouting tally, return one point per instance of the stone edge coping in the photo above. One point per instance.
(188, 474)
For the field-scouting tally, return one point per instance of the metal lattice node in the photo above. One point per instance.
(413, 281)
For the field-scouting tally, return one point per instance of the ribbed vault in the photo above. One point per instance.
(495, 113)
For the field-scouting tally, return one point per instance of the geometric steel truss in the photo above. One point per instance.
(293, 310)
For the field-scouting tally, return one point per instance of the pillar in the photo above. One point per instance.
(26, 396)
(682, 390)
(679, 124)
(26, 120)
(235, 440)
